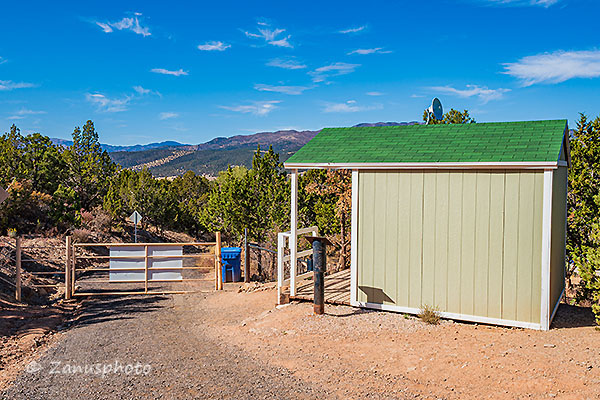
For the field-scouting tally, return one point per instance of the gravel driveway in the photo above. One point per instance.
(151, 348)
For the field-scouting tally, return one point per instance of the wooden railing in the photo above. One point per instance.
(283, 243)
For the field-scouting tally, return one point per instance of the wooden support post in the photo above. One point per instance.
(246, 257)
(218, 266)
(145, 269)
(18, 269)
(293, 241)
(73, 266)
(68, 269)
(281, 297)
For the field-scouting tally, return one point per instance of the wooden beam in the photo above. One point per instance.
(18, 269)
(144, 244)
(68, 269)
(218, 266)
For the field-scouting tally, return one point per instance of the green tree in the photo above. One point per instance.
(328, 196)
(583, 215)
(11, 151)
(451, 117)
(256, 199)
(191, 193)
(42, 163)
(89, 167)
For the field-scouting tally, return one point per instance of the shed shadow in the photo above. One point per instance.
(568, 316)
(376, 295)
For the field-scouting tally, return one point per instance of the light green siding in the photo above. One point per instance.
(468, 242)
(558, 235)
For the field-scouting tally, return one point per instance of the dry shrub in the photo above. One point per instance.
(81, 235)
(97, 220)
(429, 314)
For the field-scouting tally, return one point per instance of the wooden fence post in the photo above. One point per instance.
(68, 269)
(218, 264)
(18, 269)
(146, 269)
(246, 257)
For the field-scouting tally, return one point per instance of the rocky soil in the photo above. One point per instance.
(238, 344)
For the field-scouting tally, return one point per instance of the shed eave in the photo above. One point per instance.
(433, 165)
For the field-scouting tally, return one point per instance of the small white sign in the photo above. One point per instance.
(3, 195)
(136, 218)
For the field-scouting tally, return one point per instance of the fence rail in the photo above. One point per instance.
(82, 252)
(148, 269)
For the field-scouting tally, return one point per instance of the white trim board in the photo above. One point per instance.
(454, 316)
(433, 165)
(546, 250)
(354, 240)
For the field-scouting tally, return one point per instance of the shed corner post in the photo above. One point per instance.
(293, 231)
(546, 249)
(354, 241)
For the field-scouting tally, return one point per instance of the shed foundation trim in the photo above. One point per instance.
(447, 315)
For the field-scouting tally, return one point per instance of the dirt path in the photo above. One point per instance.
(151, 347)
(239, 345)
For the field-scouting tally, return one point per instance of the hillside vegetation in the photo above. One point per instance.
(214, 156)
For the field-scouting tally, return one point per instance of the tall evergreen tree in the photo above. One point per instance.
(89, 167)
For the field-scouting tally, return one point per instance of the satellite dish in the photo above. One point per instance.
(436, 110)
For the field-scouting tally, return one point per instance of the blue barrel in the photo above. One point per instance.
(231, 258)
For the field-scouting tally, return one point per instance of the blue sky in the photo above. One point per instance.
(151, 71)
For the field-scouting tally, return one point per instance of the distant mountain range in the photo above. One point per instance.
(171, 158)
(137, 147)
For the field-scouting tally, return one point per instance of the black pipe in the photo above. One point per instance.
(319, 246)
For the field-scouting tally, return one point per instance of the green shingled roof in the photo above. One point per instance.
(532, 141)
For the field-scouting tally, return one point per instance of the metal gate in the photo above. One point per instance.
(94, 269)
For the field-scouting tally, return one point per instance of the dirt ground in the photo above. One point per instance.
(239, 345)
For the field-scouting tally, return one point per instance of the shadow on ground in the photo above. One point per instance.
(569, 316)
(112, 308)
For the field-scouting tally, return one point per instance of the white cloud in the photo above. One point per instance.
(348, 107)
(127, 23)
(167, 115)
(555, 67)
(286, 63)
(322, 73)
(353, 30)
(293, 90)
(260, 108)
(23, 112)
(214, 46)
(106, 104)
(163, 71)
(105, 27)
(141, 91)
(270, 36)
(10, 85)
(482, 92)
(3, 60)
(374, 93)
(378, 50)
(522, 3)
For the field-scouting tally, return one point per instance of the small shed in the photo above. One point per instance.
(468, 218)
